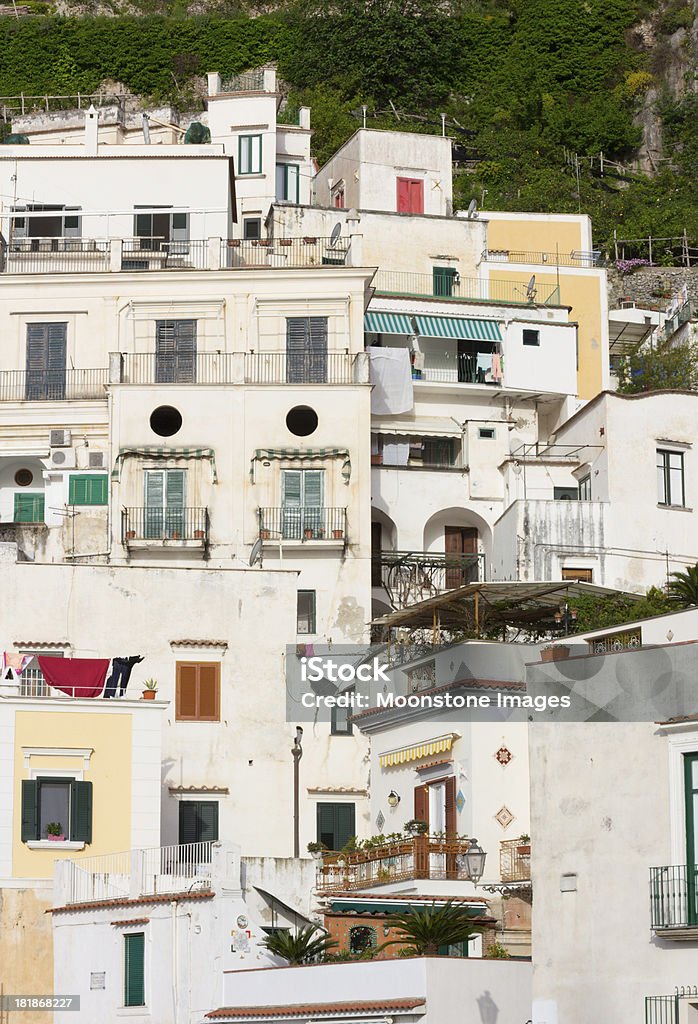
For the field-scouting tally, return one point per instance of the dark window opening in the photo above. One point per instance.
(305, 612)
(165, 421)
(341, 724)
(252, 228)
(361, 938)
(198, 821)
(336, 824)
(302, 420)
(531, 337)
(566, 493)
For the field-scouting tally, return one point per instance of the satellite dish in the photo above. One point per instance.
(256, 552)
(531, 288)
(472, 209)
(336, 232)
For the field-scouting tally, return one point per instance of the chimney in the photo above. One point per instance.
(214, 83)
(91, 131)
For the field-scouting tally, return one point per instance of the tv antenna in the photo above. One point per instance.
(472, 209)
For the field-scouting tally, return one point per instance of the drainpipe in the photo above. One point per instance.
(173, 908)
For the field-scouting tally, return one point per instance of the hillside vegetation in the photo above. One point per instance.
(524, 84)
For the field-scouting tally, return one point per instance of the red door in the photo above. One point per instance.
(460, 540)
(410, 195)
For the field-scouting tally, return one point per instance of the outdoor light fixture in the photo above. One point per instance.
(393, 798)
(565, 617)
(475, 861)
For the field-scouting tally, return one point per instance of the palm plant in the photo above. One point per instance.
(303, 947)
(683, 586)
(427, 929)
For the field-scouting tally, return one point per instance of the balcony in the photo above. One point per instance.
(576, 258)
(463, 289)
(308, 523)
(411, 576)
(514, 860)
(151, 872)
(305, 368)
(149, 527)
(105, 255)
(52, 385)
(421, 857)
(674, 901)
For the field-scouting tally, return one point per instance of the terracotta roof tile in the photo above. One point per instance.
(315, 1009)
(125, 901)
(133, 920)
(406, 897)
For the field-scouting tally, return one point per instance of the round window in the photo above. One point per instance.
(165, 420)
(302, 420)
(23, 477)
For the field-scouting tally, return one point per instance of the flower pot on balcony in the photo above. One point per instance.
(264, 534)
(524, 850)
(338, 534)
(199, 534)
(130, 534)
(56, 839)
(286, 241)
(175, 535)
(557, 653)
(234, 243)
(308, 534)
(376, 460)
(149, 695)
(310, 240)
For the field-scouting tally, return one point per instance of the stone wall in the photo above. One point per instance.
(651, 286)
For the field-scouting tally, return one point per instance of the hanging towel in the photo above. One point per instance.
(78, 677)
(391, 377)
(17, 662)
(396, 452)
(496, 367)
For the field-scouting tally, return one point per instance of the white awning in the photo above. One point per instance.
(419, 428)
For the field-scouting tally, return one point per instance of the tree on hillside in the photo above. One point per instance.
(303, 947)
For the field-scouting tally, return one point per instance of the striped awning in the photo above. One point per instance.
(305, 454)
(149, 452)
(387, 323)
(458, 327)
(403, 755)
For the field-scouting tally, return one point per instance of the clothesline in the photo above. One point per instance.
(76, 677)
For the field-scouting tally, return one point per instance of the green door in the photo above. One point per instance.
(164, 504)
(444, 281)
(690, 765)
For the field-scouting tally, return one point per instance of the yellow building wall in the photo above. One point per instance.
(109, 735)
(583, 292)
(26, 948)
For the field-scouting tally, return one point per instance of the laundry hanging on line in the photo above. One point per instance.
(121, 669)
(76, 677)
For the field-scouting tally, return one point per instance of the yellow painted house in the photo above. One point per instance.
(557, 250)
(71, 788)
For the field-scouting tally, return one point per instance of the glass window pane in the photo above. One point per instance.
(54, 806)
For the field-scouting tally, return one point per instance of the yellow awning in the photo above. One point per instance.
(438, 745)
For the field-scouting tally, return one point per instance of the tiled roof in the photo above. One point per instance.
(125, 901)
(133, 920)
(406, 897)
(199, 643)
(315, 1009)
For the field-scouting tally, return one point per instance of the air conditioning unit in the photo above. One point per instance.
(62, 458)
(95, 460)
(59, 438)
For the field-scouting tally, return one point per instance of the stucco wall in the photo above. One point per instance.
(26, 946)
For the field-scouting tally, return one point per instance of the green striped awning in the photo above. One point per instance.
(458, 327)
(304, 454)
(164, 453)
(387, 323)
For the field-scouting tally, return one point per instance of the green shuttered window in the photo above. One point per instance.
(134, 969)
(90, 489)
(198, 821)
(29, 508)
(40, 802)
(336, 824)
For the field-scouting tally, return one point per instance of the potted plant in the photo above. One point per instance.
(286, 241)
(525, 848)
(415, 827)
(130, 534)
(338, 534)
(150, 689)
(54, 832)
(175, 535)
(264, 534)
(234, 243)
(376, 459)
(317, 850)
(554, 652)
(199, 534)
(308, 533)
(309, 240)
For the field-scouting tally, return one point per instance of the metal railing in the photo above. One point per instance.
(466, 370)
(410, 576)
(421, 857)
(576, 258)
(514, 860)
(662, 1009)
(464, 289)
(52, 385)
(300, 368)
(55, 255)
(674, 896)
(164, 524)
(201, 368)
(248, 81)
(305, 523)
(172, 868)
(105, 877)
(33, 684)
(309, 251)
(158, 870)
(159, 253)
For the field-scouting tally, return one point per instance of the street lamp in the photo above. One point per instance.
(475, 861)
(565, 617)
(297, 752)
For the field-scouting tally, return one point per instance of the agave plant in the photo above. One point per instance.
(683, 586)
(303, 947)
(431, 927)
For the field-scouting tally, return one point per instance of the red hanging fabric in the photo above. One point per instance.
(78, 677)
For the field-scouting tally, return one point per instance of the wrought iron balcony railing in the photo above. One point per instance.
(420, 857)
(156, 525)
(52, 385)
(55, 255)
(514, 860)
(576, 258)
(300, 368)
(464, 289)
(410, 576)
(674, 897)
(284, 252)
(307, 523)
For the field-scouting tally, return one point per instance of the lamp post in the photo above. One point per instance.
(565, 617)
(297, 752)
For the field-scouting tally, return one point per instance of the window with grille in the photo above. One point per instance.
(198, 691)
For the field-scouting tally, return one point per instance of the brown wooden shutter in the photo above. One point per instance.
(421, 803)
(187, 678)
(450, 800)
(209, 691)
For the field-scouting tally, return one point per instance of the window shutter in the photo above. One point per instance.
(345, 824)
(185, 346)
(81, 811)
(55, 361)
(175, 488)
(209, 690)
(450, 801)
(208, 821)
(313, 488)
(297, 346)
(187, 679)
(77, 490)
(325, 825)
(165, 352)
(29, 508)
(421, 803)
(188, 830)
(30, 809)
(317, 369)
(291, 488)
(134, 969)
(154, 486)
